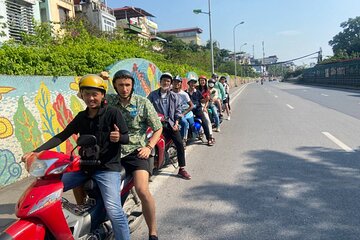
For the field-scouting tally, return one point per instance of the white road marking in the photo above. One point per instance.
(338, 142)
(289, 106)
(325, 95)
(275, 96)
(238, 93)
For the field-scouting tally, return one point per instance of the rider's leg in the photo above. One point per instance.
(184, 128)
(109, 183)
(140, 169)
(215, 114)
(201, 115)
(72, 180)
(141, 182)
(176, 137)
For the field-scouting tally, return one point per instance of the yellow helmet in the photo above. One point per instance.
(92, 81)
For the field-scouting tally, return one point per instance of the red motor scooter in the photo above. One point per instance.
(44, 214)
(164, 152)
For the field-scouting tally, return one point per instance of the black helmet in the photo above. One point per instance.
(211, 81)
(214, 75)
(192, 79)
(177, 78)
(222, 77)
(124, 74)
(166, 74)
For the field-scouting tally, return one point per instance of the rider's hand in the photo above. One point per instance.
(144, 152)
(176, 127)
(26, 156)
(115, 135)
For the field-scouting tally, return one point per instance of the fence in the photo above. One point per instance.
(345, 73)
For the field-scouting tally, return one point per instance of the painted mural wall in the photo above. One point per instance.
(35, 108)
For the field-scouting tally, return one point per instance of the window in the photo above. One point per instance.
(63, 14)
(19, 15)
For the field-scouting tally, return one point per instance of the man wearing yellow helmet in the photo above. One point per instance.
(107, 124)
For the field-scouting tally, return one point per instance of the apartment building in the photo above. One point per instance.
(97, 12)
(16, 17)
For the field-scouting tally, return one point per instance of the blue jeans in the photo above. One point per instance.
(109, 185)
(186, 122)
(215, 114)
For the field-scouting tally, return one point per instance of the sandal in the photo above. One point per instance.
(211, 141)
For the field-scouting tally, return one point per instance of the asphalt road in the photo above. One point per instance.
(285, 167)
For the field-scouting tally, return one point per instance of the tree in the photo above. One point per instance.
(349, 39)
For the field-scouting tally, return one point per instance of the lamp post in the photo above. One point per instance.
(235, 50)
(197, 11)
(241, 68)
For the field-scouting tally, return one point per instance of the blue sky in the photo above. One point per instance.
(289, 28)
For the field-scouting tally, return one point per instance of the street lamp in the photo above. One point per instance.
(235, 50)
(241, 69)
(197, 11)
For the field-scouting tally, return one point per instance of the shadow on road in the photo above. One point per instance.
(281, 197)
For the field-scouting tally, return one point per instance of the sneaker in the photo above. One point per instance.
(153, 237)
(217, 129)
(184, 174)
(228, 118)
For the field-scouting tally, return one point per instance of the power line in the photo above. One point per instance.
(291, 60)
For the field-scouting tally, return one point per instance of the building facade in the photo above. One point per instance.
(188, 35)
(137, 21)
(98, 14)
(16, 17)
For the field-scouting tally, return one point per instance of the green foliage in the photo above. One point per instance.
(78, 49)
(349, 39)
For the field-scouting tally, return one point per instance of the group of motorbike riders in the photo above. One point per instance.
(119, 122)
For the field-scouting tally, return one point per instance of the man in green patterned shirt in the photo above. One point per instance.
(139, 114)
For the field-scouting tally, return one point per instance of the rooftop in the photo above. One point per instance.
(130, 12)
(196, 29)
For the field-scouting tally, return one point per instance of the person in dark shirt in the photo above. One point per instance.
(108, 126)
(197, 98)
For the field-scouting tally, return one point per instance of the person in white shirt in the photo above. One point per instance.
(187, 106)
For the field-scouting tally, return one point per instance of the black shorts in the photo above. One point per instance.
(227, 100)
(132, 162)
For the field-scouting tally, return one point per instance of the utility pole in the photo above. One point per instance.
(263, 59)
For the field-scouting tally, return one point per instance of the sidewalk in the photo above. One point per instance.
(10, 194)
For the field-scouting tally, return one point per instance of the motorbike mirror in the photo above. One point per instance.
(83, 140)
(86, 140)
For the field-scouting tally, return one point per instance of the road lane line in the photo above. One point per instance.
(237, 94)
(289, 106)
(325, 95)
(338, 142)
(275, 96)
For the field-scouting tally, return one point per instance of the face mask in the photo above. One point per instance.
(211, 85)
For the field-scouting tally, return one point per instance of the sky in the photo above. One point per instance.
(288, 28)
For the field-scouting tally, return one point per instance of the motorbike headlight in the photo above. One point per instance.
(39, 167)
(59, 170)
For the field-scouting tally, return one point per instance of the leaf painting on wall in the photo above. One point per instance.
(140, 76)
(151, 73)
(50, 126)
(10, 170)
(64, 117)
(26, 128)
(75, 105)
